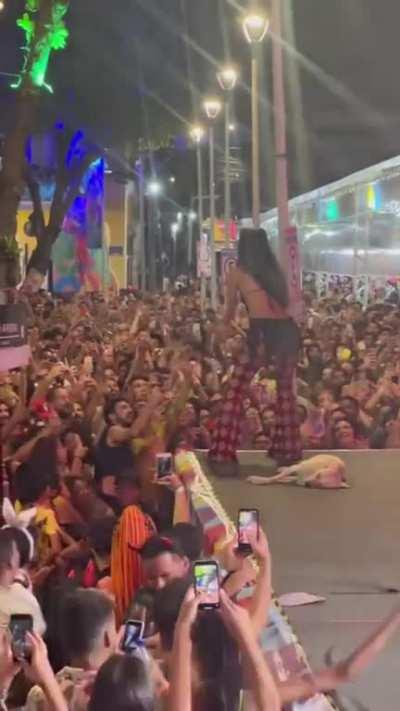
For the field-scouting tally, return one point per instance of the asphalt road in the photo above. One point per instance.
(344, 545)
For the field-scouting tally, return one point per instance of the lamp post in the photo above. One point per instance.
(255, 27)
(282, 191)
(212, 108)
(154, 190)
(142, 230)
(191, 220)
(227, 78)
(174, 232)
(197, 134)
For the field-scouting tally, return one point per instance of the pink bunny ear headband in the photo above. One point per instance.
(20, 521)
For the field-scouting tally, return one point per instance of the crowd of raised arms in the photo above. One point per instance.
(94, 538)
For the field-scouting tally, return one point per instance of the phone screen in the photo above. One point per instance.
(248, 523)
(19, 626)
(206, 577)
(164, 465)
(133, 634)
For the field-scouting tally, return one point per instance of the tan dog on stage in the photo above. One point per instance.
(324, 471)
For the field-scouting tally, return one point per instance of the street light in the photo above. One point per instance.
(255, 27)
(2, 5)
(212, 108)
(227, 78)
(281, 162)
(197, 134)
(140, 169)
(154, 188)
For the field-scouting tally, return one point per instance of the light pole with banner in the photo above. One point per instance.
(227, 79)
(197, 134)
(212, 108)
(255, 27)
(288, 237)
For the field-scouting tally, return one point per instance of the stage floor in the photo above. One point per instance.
(344, 545)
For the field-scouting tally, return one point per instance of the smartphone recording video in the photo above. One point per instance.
(20, 625)
(206, 579)
(248, 523)
(133, 635)
(164, 465)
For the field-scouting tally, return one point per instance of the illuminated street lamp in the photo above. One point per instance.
(2, 5)
(227, 79)
(255, 27)
(212, 108)
(154, 188)
(197, 134)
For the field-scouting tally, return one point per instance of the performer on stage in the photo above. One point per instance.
(273, 338)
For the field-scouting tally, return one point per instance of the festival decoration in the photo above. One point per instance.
(38, 48)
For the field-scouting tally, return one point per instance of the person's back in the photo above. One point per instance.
(258, 302)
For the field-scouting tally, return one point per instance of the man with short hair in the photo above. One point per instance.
(88, 633)
(114, 450)
(163, 561)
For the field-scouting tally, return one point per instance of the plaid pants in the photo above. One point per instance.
(286, 443)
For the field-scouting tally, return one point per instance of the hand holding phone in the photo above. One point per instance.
(248, 523)
(20, 625)
(164, 465)
(206, 580)
(133, 636)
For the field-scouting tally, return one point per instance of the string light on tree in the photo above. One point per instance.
(37, 49)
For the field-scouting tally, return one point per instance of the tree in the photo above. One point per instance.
(45, 32)
(74, 156)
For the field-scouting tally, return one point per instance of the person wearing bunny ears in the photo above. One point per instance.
(14, 597)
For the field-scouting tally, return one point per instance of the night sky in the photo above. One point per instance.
(139, 67)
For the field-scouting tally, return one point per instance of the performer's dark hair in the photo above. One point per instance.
(257, 259)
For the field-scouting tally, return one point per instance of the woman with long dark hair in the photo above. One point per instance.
(273, 338)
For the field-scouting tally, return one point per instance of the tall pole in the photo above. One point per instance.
(142, 241)
(281, 165)
(227, 170)
(212, 219)
(203, 282)
(152, 236)
(190, 243)
(255, 117)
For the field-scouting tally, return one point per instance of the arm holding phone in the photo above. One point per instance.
(262, 596)
(262, 684)
(39, 671)
(180, 693)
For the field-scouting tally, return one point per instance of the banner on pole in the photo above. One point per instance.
(294, 279)
(203, 257)
(228, 260)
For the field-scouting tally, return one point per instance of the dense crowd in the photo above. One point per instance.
(94, 538)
